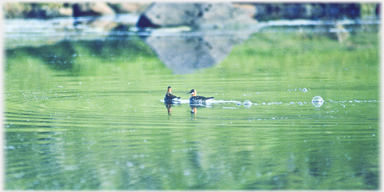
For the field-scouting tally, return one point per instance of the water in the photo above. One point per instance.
(87, 114)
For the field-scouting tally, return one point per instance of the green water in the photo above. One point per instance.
(88, 115)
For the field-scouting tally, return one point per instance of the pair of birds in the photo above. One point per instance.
(194, 99)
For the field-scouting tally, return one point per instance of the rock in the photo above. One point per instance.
(128, 7)
(91, 9)
(65, 12)
(47, 12)
(196, 15)
(16, 10)
(37, 10)
(249, 9)
(221, 15)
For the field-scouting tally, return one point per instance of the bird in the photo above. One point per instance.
(169, 97)
(197, 99)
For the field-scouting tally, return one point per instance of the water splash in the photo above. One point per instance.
(317, 101)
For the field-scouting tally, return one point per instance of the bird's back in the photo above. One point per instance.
(169, 97)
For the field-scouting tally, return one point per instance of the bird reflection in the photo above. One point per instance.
(195, 106)
(169, 108)
(193, 110)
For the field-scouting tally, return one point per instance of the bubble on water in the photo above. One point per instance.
(247, 103)
(305, 90)
(317, 101)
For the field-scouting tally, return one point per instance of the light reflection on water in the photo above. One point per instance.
(100, 124)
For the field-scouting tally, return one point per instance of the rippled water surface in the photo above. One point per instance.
(87, 113)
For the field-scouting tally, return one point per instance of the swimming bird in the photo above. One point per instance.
(197, 99)
(169, 97)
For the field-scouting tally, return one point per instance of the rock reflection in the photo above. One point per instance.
(185, 52)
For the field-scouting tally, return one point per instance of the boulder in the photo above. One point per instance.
(16, 10)
(249, 9)
(123, 7)
(65, 12)
(196, 15)
(37, 10)
(91, 9)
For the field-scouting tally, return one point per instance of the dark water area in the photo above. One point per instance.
(83, 107)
